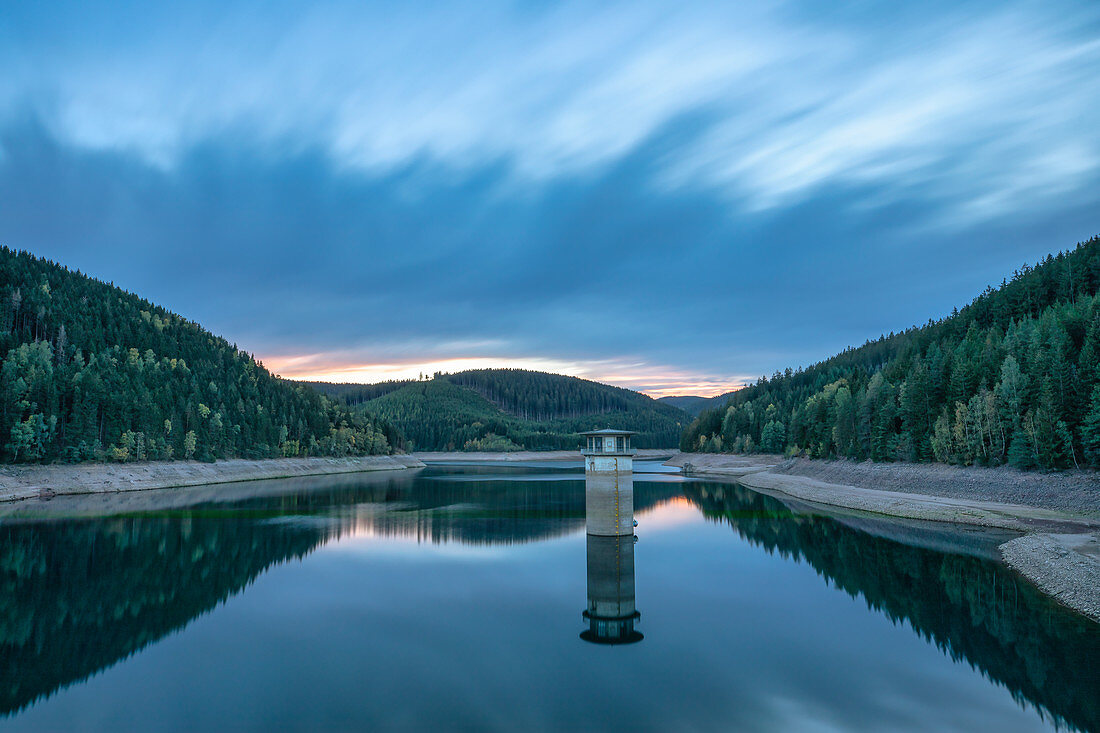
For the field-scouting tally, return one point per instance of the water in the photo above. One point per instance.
(453, 599)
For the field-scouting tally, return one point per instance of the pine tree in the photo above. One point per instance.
(1021, 453)
(1090, 432)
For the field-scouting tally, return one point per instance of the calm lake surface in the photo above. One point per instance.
(452, 598)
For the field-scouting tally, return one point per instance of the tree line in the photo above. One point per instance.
(542, 397)
(466, 411)
(1013, 377)
(92, 372)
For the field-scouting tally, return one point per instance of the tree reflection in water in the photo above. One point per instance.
(970, 607)
(80, 594)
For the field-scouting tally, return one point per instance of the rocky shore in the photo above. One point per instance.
(26, 482)
(1057, 516)
(1066, 491)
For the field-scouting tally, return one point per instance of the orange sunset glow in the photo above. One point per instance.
(649, 379)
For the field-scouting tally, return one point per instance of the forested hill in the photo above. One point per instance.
(1013, 377)
(91, 372)
(509, 409)
(693, 404)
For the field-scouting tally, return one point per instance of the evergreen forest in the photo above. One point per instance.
(510, 409)
(91, 372)
(1013, 377)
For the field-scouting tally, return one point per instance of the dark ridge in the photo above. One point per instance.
(92, 372)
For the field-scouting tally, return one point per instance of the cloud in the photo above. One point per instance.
(631, 191)
(971, 113)
(656, 380)
(968, 100)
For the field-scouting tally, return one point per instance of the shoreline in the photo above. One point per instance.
(528, 455)
(1058, 550)
(45, 481)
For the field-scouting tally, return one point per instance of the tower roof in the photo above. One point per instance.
(609, 431)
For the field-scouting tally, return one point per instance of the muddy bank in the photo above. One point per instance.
(1058, 515)
(26, 482)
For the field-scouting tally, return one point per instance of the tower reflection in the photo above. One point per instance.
(611, 613)
(609, 523)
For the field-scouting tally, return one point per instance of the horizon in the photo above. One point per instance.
(424, 372)
(358, 193)
(472, 365)
(406, 373)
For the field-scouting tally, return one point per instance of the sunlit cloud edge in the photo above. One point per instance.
(653, 380)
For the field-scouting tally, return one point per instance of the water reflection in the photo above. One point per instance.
(969, 606)
(79, 593)
(78, 596)
(82, 589)
(609, 528)
(611, 614)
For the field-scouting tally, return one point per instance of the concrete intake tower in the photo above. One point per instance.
(609, 521)
(609, 483)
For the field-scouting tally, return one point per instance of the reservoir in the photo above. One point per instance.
(469, 596)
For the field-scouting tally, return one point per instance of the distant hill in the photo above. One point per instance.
(509, 409)
(693, 404)
(1012, 377)
(356, 394)
(91, 372)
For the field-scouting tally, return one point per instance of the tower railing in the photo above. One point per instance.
(627, 452)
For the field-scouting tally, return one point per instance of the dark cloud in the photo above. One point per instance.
(288, 254)
(653, 188)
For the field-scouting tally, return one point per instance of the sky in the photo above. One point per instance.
(672, 197)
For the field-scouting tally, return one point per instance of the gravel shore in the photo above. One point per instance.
(27, 482)
(1064, 566)
(1072, 491)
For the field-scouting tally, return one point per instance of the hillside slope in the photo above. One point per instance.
(509, 409)
(1013, 377)
(91, 372)
(693, 404)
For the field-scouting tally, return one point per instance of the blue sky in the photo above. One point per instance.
(672, 197)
